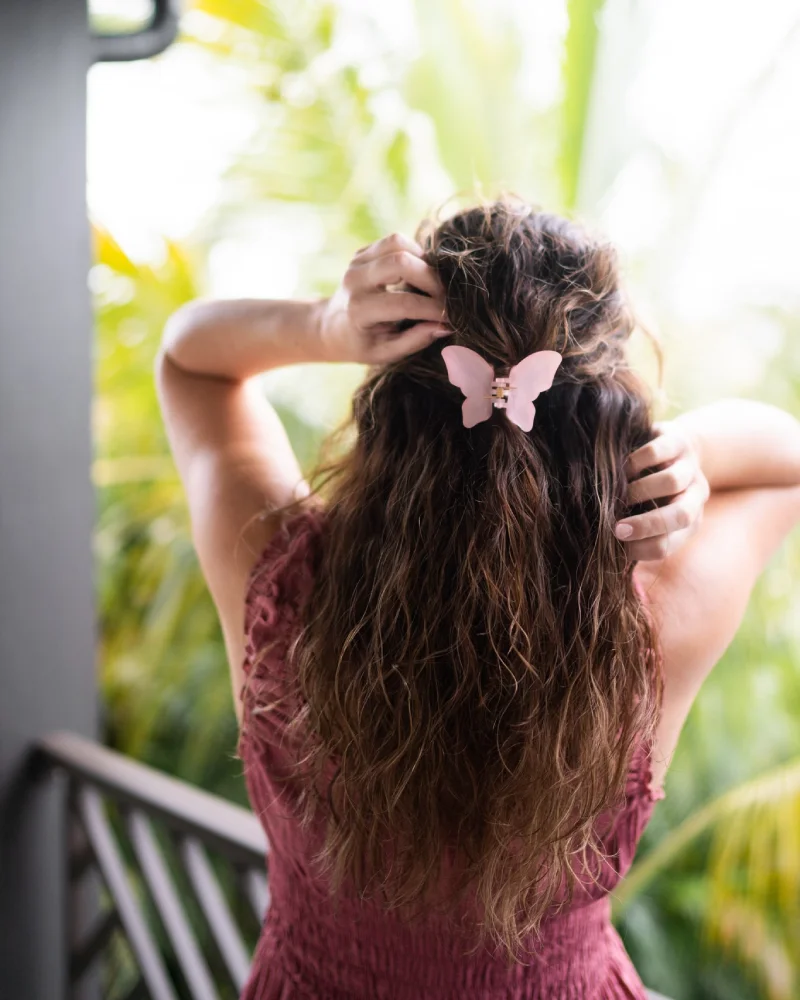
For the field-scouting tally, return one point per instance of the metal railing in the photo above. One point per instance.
(175, 879)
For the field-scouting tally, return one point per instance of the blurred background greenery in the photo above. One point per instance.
(277, 137)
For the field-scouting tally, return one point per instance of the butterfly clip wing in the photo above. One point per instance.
(527, 379)
(474, 378)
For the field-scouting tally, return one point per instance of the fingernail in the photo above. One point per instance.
(623, 531)
(444, 332)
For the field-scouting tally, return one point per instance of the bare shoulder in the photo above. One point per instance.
(699, 594)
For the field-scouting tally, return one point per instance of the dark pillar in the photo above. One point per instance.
(47, 655)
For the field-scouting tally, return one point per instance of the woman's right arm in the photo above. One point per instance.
(742, 443)
(750, 453)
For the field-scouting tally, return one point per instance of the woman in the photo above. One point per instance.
(461, 675)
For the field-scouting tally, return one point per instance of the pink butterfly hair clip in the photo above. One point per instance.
(476, 379)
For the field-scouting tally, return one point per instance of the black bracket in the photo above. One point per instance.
(158, 34)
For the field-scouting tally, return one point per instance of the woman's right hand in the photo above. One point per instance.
(361, 321)
(673, 457)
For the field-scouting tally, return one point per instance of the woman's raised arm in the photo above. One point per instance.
(229, 445)
(743, 444)
(239, 338)
(750, 453)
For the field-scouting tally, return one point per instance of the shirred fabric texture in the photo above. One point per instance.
(313, 947)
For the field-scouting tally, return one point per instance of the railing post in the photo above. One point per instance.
(47, 617)
(83, 981)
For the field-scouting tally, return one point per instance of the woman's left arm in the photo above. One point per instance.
(236, 463)
(240, 338)
(228, 443)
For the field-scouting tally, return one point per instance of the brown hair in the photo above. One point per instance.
(475, 658)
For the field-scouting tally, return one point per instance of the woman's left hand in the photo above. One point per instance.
(678, 476)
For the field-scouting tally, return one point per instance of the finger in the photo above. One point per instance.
(387, 307)
(676, 516)
(389, 244)
(652, 549)
(667, 483)
(394, 268)
(664, 448)
(416, 338)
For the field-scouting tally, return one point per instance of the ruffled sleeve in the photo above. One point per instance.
(629, 824)
(642, 797)
(278, 588)
(621, 828)
(640, 777)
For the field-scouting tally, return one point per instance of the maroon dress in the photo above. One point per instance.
(310, 948)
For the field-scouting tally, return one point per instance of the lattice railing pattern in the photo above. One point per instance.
(167, 884)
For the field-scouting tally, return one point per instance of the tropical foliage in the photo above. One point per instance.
(362, 144)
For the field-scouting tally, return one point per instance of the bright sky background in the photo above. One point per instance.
(694, 154)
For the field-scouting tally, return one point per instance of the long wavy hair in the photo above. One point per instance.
(474, 657)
